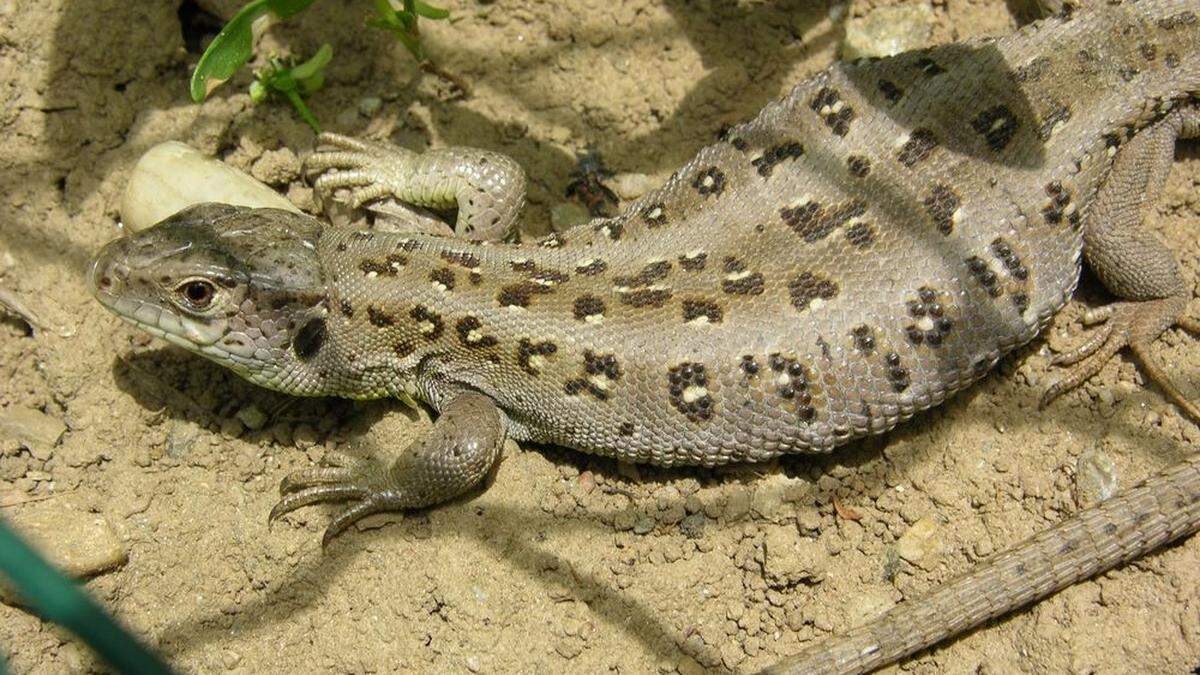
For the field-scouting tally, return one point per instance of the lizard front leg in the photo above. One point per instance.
(1133, 263)
(487, 188)
(453, 457)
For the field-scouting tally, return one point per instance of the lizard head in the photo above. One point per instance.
(240, 286)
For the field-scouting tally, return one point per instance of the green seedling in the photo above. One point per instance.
(293, 82)
(232, 48)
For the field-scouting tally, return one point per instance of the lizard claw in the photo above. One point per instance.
(322, 485)
(1132, 324)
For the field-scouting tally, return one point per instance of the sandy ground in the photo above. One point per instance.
(565, 561)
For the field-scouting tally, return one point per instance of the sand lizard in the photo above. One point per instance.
(868, 245)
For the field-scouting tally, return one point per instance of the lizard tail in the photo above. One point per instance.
(1157, 511)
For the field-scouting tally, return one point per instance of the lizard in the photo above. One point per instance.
(871, 243)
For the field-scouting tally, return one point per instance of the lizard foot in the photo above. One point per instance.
(487, 188)
(328, 484)
(1132, 324)
(352, 164)
(453, 457)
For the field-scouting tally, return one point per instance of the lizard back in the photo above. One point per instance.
(867, 246)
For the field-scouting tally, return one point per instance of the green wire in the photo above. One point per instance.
(56, 598)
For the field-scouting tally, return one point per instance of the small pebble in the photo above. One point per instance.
(630, 186)
(920, 544)
(80, 543)
(1095, 478)
(692, 526)
(253, 417)
(643, 525)
(369, 105)
(566, 215)
(888, 30)
(32, 429)
(231, 427)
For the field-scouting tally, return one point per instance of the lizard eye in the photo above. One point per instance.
(197, 293)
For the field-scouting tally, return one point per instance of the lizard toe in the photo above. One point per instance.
(1132, 324)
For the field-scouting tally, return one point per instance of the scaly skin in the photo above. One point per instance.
(867, 246)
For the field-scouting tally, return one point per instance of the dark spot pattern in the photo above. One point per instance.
(387, 267)
(552, 240)
(626, 429)
(693, 262)
(443, 276)
(858, 166)
(347, 308)
(775, 155)
(527, 349)
(462, 259)
(428, 323)
(793, 384)
(652, 272)
(1059, 207)
(929, 67)
(1059, 114)
(890, 91)
(748, 365)
(694, 309)
(646, 297)
(379, 318)
(710, 181)
(613, 229)
(918, 147)
(1012, 262)
(309, 339)
(687, 384)
(836, 113)
(940, 204)
(1149, 51)
(860, 235)
(806, 287)
(468, 333)
(655, 215)
(520, 293)
(592, 267)
(813, 222)
(739, 281)
(927, 309)
(1179, 20)
(1020, 301)
(982, 273)
(588, 305)
(897, 373)
(864, 339)
(600, 370)
(997, 125)
(1033, 71)
(362, 235)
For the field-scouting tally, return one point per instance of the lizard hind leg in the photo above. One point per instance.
(1133, 264)
(452, 458)
(487, 188)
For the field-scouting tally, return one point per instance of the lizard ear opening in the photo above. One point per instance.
(309, 339)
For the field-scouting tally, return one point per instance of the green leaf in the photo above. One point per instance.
(229, 51)
(315, 65)
(288, 8)
(429, 11)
